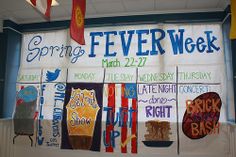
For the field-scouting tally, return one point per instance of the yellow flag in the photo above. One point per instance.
(233, 20)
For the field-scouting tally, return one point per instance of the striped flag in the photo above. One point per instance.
(233, 20)
(43, 6)
(120, 117)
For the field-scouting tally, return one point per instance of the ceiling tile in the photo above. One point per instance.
(223, 3)
(114, 6)
(64, 2)
(202, 4)
(20, 16)
(105, 1)
(90, 10)
(170, 5)
(26, 14)
(15, 5)
(139, 5)
(6, 15)
(22, 12)
(59, 11)
(67, 2)
(68, 8)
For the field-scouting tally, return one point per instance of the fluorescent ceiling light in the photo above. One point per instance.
(54, 2)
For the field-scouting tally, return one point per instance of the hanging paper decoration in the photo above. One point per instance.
(77, 21)
(43, 6)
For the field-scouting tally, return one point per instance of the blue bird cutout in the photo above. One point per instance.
(52, 76)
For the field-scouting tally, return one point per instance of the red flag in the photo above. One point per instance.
(77, 21)
(43, 6)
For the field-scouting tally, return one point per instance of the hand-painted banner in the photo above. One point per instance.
(51, 107)
(27, 107)
(125, 46)
(120, 117)
(82, 115)
(131, 89)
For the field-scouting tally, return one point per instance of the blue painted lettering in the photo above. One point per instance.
(93, 43)
(210, 42)
(176, 41)
(189, 46)
(201, 47)
(109, 43)
(126, 45)
(156, 42)
(34, 52)
(142, 41)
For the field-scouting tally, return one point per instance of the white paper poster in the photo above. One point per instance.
(51, 107)
(157, 89)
